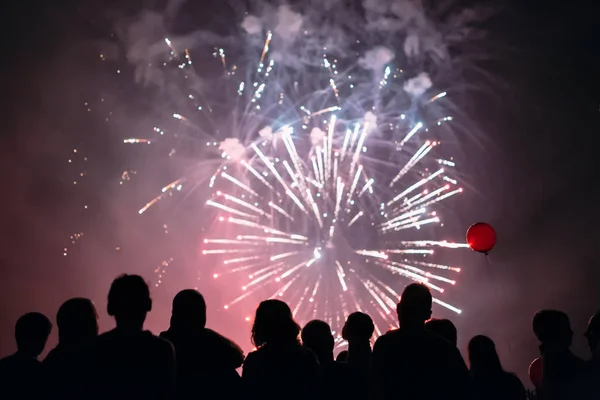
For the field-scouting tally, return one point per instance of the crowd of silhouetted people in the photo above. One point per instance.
(419, 360)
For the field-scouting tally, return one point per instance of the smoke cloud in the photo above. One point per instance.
(252, 25)
(316, 136)
(233, 148)
(371, 120)
(303, 31)
(288, 23)
(266, 133)
(418, 85)
(376, 59)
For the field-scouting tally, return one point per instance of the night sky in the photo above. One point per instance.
(531, 166)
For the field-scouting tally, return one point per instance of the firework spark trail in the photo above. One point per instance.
(293, 196)
(415, 186)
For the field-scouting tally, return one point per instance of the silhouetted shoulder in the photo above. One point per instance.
(6, 363)
(307, 356)
(443, 346)
(383, 345)
(299, 356)
(516, 386)
(163, 346)
(141, 348)
(160, 342)
(20, 377)
(387, 338)
(144, 337)
(406, 341)
(16, 362)
(136, 364)
(252, 358)
(229, 352)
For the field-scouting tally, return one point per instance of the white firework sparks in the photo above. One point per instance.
(324, 180)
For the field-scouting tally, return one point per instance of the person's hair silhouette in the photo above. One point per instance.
(31, 333)
(206, 361)
(489, 380)
(67, 365)
(358, 327)
(129, 301)
(414, 307)
(553, 328)
(128, 361)
(483, 357)
(281, 366)
(77, 321)
(316, 336)
(444, 328)
(189, 310)
(21, 374)
(274, 323)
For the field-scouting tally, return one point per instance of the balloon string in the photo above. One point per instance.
(489, 265)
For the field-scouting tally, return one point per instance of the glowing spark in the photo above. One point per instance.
(437, 97)
(411, 133)
(266, 47)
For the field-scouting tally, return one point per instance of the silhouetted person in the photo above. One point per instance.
(488, 380)
(561, 370)
(21, 374)
(592, 334)
(358, 331)
(592, 373)
(336, 378)
(280, 368)
(444, 328)
(412, 363)
(130, 363)
(67, 365)
(316, 336)
(206, 361)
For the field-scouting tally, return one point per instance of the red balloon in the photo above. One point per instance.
(535, 373)
(481, 237)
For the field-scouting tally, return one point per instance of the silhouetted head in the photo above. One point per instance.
(415, 306)
(553, 329)
(358, 327)
(483, 357)
(189, 310)
(77, 321)
(592, 334)
(316, 336)
(342, 357)
(129, 300)
(31, 332)
(274, 323)
(444, 328)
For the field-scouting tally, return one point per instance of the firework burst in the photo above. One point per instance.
(324, 179)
